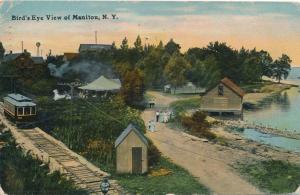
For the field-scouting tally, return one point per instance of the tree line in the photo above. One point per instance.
(153, 66)
(144, 66)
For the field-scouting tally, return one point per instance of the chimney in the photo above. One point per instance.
(10, 52)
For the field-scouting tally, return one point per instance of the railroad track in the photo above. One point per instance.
(53, 152)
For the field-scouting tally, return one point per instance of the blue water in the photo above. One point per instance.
(282, 142)
(282, 112)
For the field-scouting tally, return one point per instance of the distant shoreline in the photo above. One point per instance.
(252, 100)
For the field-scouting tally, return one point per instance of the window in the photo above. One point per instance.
(27, 111)
(20, 111)
(221, 90)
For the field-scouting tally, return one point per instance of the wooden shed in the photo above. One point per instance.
(226, 97)
(132, 151)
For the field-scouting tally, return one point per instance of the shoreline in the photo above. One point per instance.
(253, 100)
(260, 128)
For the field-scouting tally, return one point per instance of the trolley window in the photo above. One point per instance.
(32, 110)
(20, 111)
(27, 111)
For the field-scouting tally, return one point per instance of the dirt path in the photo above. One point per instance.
(209, 163)
(162, 100)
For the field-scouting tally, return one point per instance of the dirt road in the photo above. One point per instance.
(208, 162)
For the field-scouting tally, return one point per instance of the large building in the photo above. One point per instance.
(226, 97)
(93, 47)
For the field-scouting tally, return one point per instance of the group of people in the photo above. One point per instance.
(160, 116)
(163, 116)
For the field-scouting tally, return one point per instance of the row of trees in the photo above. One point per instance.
(152, 66)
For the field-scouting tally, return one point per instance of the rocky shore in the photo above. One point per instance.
(263, 129)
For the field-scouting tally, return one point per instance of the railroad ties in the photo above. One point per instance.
(58, 157)
(76, 171)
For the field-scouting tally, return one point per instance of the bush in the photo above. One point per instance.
(154, 154)
(21, 174)
(198, 125)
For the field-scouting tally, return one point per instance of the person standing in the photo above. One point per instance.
(157, 116)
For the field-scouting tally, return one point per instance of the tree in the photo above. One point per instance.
(252, 70)
(265, 61)
(205, 73)
(138, 44)
(281, 67)
(153, 67)
(124, 45)
(176, 71)
(172, 47)
(133, 87)
(2, 51)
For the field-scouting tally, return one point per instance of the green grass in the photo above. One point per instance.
(178, 182)
(273, 175)
(248, 88)
(185, 104)
(21, 174)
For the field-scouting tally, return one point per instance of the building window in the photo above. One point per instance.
(27, 111)
(20, 111)
(221, 90)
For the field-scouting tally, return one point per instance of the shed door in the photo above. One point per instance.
(137, 160)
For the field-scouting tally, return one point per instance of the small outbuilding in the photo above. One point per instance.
(226, 97)
(132, 151)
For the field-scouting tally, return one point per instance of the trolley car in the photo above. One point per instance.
(20, 109)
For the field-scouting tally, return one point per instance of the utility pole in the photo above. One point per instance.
(96, 41)
(22, 45)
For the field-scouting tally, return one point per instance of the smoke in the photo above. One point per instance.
(87, 71)
(58, 96)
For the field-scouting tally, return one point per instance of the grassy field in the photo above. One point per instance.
(272, 176)
(185, 104)
(163, 178)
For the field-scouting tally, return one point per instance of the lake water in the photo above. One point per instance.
(282, 112)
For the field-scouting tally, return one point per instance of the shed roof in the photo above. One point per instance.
(103, 84)
(126, 132)
(230, 84)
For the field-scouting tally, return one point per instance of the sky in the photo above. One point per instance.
(271, 26)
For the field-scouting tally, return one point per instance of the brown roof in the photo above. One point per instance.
(226, 81)
(70, 56)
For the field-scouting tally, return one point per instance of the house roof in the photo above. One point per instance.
(11, 57)
(103, 84)
(37, 60)
(70, 56)
(126, 132)
(230, 84)
(94, 47)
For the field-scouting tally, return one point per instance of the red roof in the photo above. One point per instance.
(230, 84)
